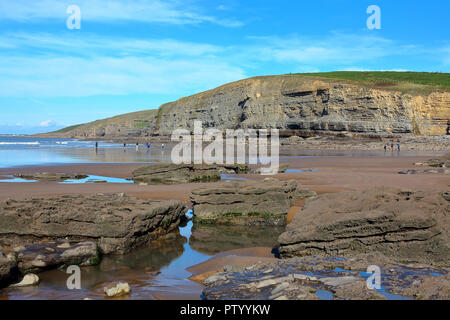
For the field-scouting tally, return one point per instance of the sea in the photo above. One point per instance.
(19, 151)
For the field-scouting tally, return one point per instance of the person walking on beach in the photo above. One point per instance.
(398, 145)
(162, 145)
(392, 146)
(137, 146)
(96, 145)
(385, 148)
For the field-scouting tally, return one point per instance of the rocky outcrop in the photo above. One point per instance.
(7, 266)
(52, 254)
(264, 202)
(414, 171)
(45, 176)
(404, 225)
(183, 173)
(442, 162)
(316, 277)
(115, 222)
(295, 104)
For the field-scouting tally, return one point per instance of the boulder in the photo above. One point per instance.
(183, 173)
(404, 225)
(116, 223)
(247, 202)
(117, 289)
(27, 281)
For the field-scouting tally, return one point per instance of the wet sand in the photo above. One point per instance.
(334, 174)
(237, 257)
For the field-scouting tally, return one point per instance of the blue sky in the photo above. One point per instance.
(136, 55)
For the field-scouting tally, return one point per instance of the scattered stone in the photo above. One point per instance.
(300, 278)
(36, 257)
(19, 249)
(64, 245)
(443, 162)
(414, 171)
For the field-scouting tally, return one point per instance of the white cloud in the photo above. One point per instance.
(74, 66)
(149, 11)
(68, 76)
(332, 49)
(47, 123)
(90, 44)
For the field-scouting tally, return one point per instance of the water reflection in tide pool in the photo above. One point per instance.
(157, 271)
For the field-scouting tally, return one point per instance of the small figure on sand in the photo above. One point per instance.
(398, 145)
(385, 147)
(137, 146)
(162, 145)
(96, 145)
(392, 146)
(148, 145)
(124, 145)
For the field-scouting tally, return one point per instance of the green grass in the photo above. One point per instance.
(232, 214)
(67, 129)
(141, 124)
(406, 82)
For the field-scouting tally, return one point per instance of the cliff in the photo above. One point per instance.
(295, 104)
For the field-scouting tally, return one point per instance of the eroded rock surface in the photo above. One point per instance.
(247, 202)
(318, 277)
(183, 173)
(45, 176)
(404, 225)
(7, 264)
(115, 222)
(292, 103)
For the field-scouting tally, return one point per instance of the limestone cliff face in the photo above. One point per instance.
(291, 104)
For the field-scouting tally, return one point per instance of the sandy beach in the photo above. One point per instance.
(333, 174)
(330, 174)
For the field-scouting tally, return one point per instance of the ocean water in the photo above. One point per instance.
(17, 151)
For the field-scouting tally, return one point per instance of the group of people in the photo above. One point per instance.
(386, 146)
(148, 145)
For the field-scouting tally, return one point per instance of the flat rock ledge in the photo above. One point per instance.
(45, 176)
(409, 227)
(264, 202)
(328, 278)
(115, 222)
(184, 173)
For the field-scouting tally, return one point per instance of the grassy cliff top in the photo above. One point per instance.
(414, 83)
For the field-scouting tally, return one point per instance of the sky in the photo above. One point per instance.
(135, 55)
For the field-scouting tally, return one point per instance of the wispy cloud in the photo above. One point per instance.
(47, 123)
(150, 11)
(75, 65)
